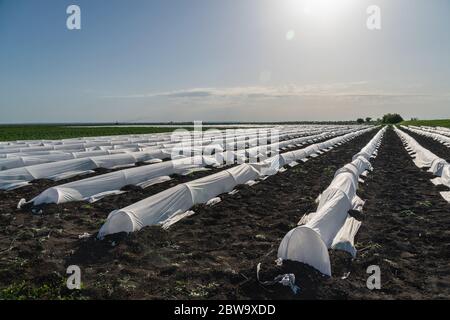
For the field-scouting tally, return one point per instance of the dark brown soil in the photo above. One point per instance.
(214, 253)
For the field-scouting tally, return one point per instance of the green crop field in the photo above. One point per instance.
(431, 123)
(32, 132)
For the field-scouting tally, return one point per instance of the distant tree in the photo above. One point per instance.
(414, 119)
(360, 120)
(368, 119)
(392, 118)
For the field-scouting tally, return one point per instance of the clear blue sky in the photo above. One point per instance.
(227, 60)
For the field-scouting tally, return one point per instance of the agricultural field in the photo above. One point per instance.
(224, 159)
(145, 215)
(67, 131)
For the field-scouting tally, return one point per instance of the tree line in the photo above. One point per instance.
(389, 118)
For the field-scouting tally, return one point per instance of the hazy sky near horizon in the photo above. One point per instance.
(223, 60)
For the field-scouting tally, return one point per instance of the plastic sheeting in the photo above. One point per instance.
(166, 205)
(177, 200)
(15, 178)
(438, 130)
(114, 142)
(167, 150)
(89, 141)
(95, 188)
(424, 158)
(88, 146)
(18, 177)
(344, 239)
(445, 140)
(103, 185)
(24, 161)
(118, 141)
(330, 226)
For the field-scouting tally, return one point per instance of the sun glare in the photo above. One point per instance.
(318, 8)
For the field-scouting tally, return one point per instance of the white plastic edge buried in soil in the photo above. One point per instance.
(19, 177)
(168, 206)
(331, 226)
(94, 188)
(424, 158)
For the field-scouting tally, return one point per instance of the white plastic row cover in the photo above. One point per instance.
(168, 149)
(423, 158)
(177, 200)
(18, 177)
(435, 136)
(90, 188)
(330, 226)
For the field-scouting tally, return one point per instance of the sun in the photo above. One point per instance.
(318, 8)
(321, 7)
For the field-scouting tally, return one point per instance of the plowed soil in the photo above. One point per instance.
(214, 253)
